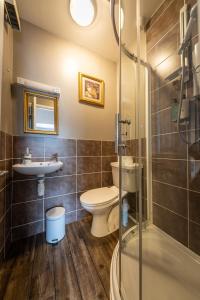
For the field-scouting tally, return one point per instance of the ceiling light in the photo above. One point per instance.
(82, 11)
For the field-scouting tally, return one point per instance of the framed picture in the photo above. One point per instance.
(91, 90)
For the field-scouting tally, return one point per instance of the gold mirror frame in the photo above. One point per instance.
(44, 95)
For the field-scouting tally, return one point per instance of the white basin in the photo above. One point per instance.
(38, 168)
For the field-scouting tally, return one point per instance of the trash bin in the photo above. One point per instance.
(55, 224)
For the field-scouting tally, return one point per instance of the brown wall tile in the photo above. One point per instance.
(8, 146)
(173, 198)
(2, 145)
(35, 144)
(88, 164)
(132, 148)
(68, 168)
(165, 48)
(82, 213)
(161, 122)
(88, 148)
(3, 177)
(160, 27)
(2, 224)
(88, 181)
(170, 171)
(164, 97)
(57, 186)
(63, 147)
(194, 175)
(8, 223)
(8, 167)
(67, 201)
(169, 146)
(107, 179)
(70, 217)
(194, 207)
(23, 213)
(171, 223)
(108, 148)
(194, 234)
(27, 230)
(106, 161)
(2, 203)
(78, 204)
(158, 13)
(163, 70)
(24, 191)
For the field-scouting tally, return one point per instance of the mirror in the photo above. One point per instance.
(40, 113)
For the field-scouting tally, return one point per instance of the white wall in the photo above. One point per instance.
(42, 57)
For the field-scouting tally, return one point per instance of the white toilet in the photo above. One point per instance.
(102, 203)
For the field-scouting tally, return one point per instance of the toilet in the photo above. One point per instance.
(103, 203)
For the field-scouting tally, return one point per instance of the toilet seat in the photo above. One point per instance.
(100, 196)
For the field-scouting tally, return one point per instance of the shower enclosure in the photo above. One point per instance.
(157, 125)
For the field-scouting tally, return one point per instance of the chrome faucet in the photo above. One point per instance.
(54, 157)
(27, 157)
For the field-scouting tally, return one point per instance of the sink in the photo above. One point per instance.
(38, 168)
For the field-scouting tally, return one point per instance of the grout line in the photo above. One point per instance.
(171, 28)
(176, 186)
(166, 158)
(171, 211)
(162, 13)
(4, 215)
(161, 110)
(60, 176)
(168, 133)
(21, 225)
(42, 220)
(28, 201)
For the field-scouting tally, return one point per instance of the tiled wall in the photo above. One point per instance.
(5, 193)
(175, 166)
(86, 166)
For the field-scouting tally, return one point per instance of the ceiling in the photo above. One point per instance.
(54, 17)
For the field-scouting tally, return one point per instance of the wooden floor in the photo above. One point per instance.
(78, 268)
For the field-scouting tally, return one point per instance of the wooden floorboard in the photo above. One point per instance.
(42, 275)
(77, 268)
(66, 284)
(100, 253)
(18, 285)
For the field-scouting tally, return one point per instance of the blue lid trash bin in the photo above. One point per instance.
(55, 224)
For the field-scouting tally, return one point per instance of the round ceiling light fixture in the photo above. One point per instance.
(82, 12)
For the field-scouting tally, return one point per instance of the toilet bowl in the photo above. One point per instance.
(103, 203)
(100, 203)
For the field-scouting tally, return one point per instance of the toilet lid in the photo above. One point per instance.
(100, 195)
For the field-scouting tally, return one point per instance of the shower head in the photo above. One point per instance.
(192, 20)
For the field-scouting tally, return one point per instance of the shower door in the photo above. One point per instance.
(131, 121)
(159, 82)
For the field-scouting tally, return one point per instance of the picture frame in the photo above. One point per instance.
(91, 90)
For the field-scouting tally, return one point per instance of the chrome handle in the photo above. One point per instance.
(117, 118)
(2, 173)
(118, 134)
